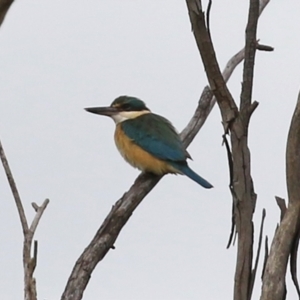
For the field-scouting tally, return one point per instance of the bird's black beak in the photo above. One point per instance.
(105, 111)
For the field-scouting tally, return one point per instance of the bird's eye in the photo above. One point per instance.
(126, 106)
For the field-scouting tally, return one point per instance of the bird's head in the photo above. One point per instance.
(122, 109)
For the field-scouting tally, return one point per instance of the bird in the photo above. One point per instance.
(146, 140)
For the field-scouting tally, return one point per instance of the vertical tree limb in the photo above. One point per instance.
(217, 84)
(250, 49)
(294, 259)
(243, 184)
(236, 122)
(287, 233)
(265, 257)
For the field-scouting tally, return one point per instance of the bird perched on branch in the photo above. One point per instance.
(147, 141)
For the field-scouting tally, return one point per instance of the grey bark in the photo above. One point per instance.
(287, 234)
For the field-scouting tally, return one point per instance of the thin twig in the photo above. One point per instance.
(265, 257)
(230, 164)
(14, 190)
(253, 273)
(232, 228)
(266, 48)
(29, 263)
(208, 16)
(35, 254)
(39, 212)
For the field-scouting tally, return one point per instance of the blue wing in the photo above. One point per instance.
(186, 170)
(157, 136)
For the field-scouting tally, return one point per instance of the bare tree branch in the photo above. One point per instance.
(39, 212)
(244, 197)
(216, 82)
(250, 48)
(293, 158)
(264, 48)
(265, 257)
(29, 263)
(293, 261)
(14, 190)
(106, 235)
(206, 103)
(287, 233)
(253, 274)
(4, 6)
(207, 100)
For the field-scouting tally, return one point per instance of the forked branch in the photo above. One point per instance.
(236, 123)
(29, 263)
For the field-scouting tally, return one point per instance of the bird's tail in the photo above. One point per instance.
(186, 170)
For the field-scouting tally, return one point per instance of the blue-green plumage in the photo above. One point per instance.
(186, 170)
(129, 103)
(152, 133)
(156, 135)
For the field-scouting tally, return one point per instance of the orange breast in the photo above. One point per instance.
(138, 157)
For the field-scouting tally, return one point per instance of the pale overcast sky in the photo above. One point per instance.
(57, 57)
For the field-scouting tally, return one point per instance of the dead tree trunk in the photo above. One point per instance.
(235, 122)
(286, 239)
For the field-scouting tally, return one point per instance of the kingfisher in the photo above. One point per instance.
(146, 140)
